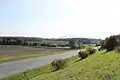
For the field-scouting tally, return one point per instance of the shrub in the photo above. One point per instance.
(117, 49)
(91, 50)
(99, 49)
(58, 64)
(83, 54)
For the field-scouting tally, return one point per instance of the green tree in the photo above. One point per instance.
(110, 43)
(73, 44)
(102, 45)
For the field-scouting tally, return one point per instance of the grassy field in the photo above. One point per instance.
(12, 53)
(99, 66)
(89, 45)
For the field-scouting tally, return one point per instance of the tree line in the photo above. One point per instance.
(34, 41)
(31, 41)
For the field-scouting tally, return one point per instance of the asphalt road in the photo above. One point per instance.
(9, 68)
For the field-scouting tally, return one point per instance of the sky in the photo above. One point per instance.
(60, 18)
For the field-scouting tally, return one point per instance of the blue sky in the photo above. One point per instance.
(59, 18)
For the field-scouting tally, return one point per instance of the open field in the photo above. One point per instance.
(89, 45)
(11, 53)
(98, 66)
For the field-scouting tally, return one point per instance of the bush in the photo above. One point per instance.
(117, 49)
(83, 54)
(91, 50)
(99, 49)
(58, 64)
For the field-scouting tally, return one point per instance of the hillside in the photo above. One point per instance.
(99, 66)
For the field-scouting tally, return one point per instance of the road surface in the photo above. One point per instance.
(9, 68)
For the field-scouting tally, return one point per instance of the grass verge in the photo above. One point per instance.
(99, 66)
